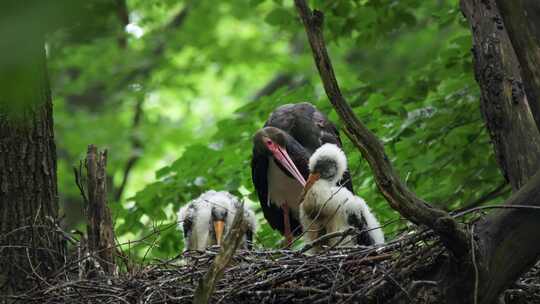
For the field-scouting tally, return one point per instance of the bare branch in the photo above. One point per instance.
(100, 230)
(206, 286)
(394, 190)
(136, 148)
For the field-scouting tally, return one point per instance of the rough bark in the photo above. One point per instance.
(394, 190)
(101, 241)
(521, 22)
(508, 242)
(504, 105)
(30, 249)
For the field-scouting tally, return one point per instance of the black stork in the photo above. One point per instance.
(327, 207)
(279, 167)
(206, 219)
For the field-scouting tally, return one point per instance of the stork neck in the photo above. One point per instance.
(324, 183)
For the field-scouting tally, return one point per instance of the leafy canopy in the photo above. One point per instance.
(405, 67)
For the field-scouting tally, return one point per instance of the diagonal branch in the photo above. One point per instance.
(207, 284)
(137, 148)
(500, 190)
(158, 49)
(394, 190)
(97, 93)
(284, 79)
(138, 112)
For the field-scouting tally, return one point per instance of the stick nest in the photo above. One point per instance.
(340, 275)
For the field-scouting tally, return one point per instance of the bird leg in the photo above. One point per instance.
(287, 226)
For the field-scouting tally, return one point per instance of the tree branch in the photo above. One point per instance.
(136, 148)
(276, 83)
(493, 194)
(282, 79)
(136, 144)
(394, 190)
(100, 231)
(509, 240)
(176, 22)
(97, 92)
(123, 16)
(206, 286)
(521, 21)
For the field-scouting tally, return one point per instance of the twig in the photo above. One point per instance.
(78, 181)
(473, 257)
(460, 214)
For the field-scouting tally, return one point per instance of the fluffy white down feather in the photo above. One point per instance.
(330, 151)
(199, 211)
(327, 206)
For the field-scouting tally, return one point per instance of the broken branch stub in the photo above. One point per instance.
(207, 284)
(101, 241)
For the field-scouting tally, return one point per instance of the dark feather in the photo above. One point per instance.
(272, 213)
(359, 223)
(187, 225)
(249, 239)
(308, 129)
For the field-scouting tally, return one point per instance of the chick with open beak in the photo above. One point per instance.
(206, 220)
(326, 207)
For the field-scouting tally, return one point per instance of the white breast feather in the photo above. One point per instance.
(201, 216)
(282, 188)
(332, 205)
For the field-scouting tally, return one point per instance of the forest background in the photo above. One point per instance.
(175, 90)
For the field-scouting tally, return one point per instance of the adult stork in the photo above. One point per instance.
(206, 219)
(279, 166)
(327, 207)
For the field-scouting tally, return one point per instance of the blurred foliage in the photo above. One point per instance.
(190, 69)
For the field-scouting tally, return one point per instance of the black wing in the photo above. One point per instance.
(359, 223)
(309, 127)
(272, 213)
(259, 176)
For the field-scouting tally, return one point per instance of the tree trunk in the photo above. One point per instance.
(504, 105)
(521, 20)
(508, 242)
(30, 249)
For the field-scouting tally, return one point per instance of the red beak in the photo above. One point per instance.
(283, 157)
